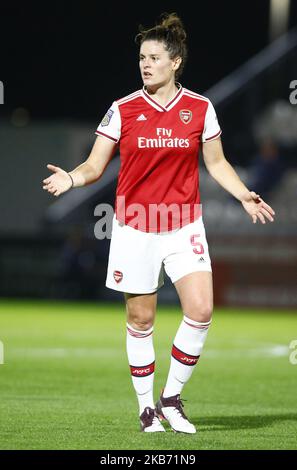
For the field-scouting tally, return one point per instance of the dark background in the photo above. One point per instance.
(71, 59)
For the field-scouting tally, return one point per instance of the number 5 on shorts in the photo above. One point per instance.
(198, 250)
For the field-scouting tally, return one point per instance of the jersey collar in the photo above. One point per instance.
(169, 105)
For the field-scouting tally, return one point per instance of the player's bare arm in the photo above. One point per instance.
(86, 173)
(221, 170)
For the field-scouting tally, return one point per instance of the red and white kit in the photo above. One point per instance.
(158, 186)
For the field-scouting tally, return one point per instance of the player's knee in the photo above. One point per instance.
(141, 320)
(141, 325)
(201, 312)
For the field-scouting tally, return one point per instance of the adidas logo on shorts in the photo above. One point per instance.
(201, 260)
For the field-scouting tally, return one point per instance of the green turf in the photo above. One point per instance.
(65, 381)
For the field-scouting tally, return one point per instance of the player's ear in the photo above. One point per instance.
(176, 63)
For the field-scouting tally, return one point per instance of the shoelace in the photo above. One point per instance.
(179, 408)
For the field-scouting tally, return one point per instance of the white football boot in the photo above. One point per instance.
(149, 421)
(171, 409)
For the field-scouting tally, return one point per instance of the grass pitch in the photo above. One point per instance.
(65, 381)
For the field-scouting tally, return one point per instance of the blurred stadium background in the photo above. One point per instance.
(62, 66)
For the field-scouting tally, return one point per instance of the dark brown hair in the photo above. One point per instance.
(170, 31)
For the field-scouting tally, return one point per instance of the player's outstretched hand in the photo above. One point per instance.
(59, 182)
(257, 208)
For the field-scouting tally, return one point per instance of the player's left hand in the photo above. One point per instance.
(257, 208)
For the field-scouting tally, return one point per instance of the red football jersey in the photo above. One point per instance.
(158, 183)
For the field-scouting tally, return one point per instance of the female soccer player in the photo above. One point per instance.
(158, 224)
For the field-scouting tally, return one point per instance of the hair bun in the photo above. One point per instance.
(173, 23)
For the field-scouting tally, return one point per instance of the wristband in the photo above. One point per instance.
(72, 182)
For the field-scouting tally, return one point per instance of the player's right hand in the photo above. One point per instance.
(59, 182)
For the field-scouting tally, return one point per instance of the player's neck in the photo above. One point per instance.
(163, 94)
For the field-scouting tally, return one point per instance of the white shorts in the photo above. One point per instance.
(137, 259)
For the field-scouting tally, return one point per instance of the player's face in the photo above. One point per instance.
(156, 67)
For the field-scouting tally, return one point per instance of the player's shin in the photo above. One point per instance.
(186, 350)
(141, 356)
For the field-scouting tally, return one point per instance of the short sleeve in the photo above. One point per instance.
(212, 128)
(110, 126)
